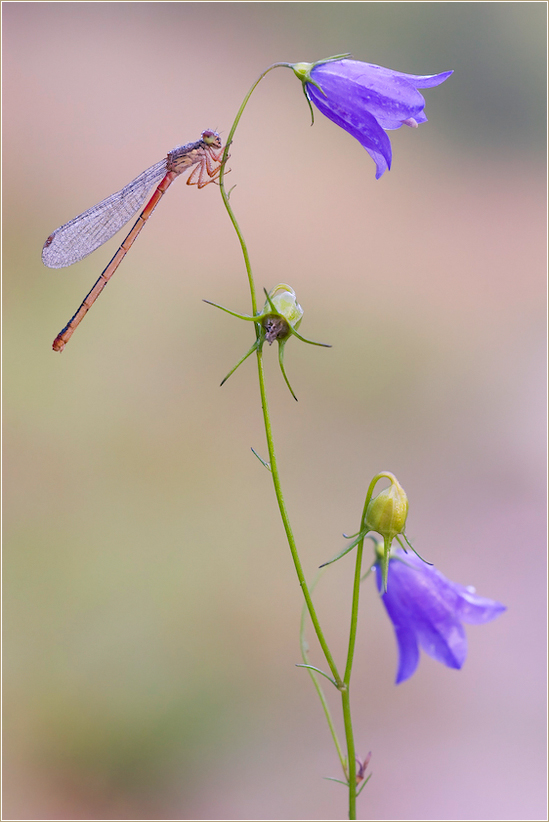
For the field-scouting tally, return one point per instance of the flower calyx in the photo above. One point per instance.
(384, 514)
(277, 321)
(303, 72)
(280, 314)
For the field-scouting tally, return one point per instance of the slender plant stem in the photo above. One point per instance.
(351, 754)
(349, 767)
(345, 696)
(316, 683)
(222, 182)
(286, 522)
(264, 404)
(354, 613)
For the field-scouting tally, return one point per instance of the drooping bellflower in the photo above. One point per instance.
(427, 611)
(367, 100)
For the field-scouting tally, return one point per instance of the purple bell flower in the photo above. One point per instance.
(427, 611)
(366, 100)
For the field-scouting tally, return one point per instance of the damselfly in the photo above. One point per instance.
(83, 234)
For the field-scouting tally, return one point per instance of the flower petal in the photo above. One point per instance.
(443, 639)
(420, 118)
(420, 601)
(408, 653)
(462, 599)
(416, 80)
(385, 94)
(422, 594)
(408, 650)
(361, 125)
(425, 80)
(476, 610)
(355, 68)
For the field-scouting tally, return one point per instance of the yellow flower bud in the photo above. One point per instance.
(387, 512)
(280, 313)
(280, 318)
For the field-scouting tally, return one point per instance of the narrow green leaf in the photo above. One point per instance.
(312, 667)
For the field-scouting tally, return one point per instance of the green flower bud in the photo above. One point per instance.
(386, 513)
(280, 313)
(279, 318)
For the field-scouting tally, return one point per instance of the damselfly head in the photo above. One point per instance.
(211, 138)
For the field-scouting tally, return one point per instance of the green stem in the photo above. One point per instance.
(347, 680)
(351, 755)
(286, 522)
(349, 768)
(222, 182)
(264, 404)
(356, 591)
(354, 613)
(345, 696)
(316, 683)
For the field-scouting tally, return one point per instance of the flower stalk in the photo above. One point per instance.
(224, 193)
(342, 685)
(263, 392)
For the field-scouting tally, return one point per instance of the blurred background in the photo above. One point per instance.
(151, 608)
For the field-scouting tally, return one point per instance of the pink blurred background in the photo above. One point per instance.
(150, 606)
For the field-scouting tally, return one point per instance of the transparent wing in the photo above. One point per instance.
(83, 234)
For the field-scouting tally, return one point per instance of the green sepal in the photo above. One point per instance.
(310, 342)
(332, 59)
(232, 313)
(281, 345)
(254, 347)
(303, 70)
(346, 550)
(306, 93)
(384, 563)
(364, 784)
(413, 549)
